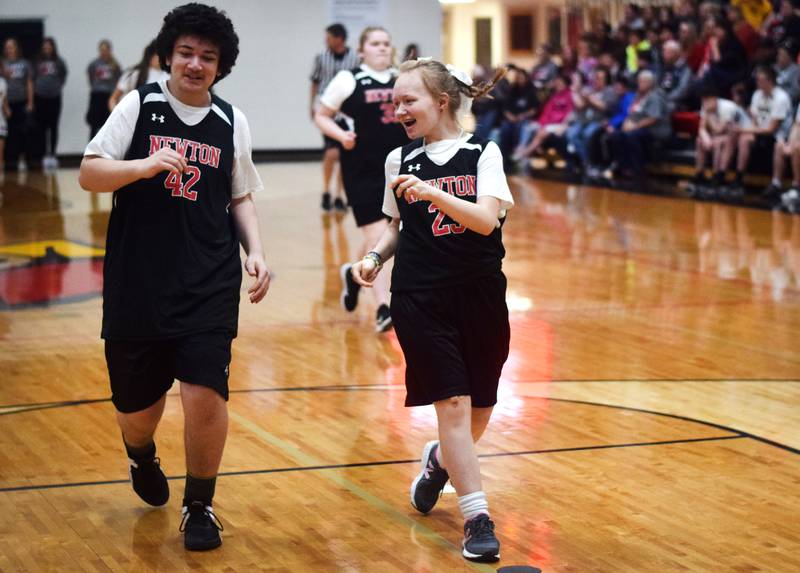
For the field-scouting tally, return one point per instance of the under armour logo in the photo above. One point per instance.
(414, 167)
(157, 118)
(366, 82)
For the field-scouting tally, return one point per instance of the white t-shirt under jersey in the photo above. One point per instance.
(491, 179)
(343, 85)
(114, 138)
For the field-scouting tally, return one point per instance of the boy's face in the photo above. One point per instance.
(763, 82)
(194, 64)
(709, 104)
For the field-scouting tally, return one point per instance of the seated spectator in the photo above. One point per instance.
(769, 108)
(552, 120)
(709, 9)
(745, 33)
(665, 34)
(693, 48)
(593, 105)
(675, 77)
(518, 104)
(486, 109)
(544, 71)
(655, 48)
(647, 123)
(636, 44)
(599, 153)
(686, 11)
(606, 60)
(666, 17)
(791, 26)
(645, 62)
(586, 60)
(774, 27)
(786, 145)
(790, 200)
(725, 56)
(604, 39)
(787, 72)
(720, 120)
(633, 17)
(754, 11)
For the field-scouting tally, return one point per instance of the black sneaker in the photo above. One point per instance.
(771, 191)
(428, 485)
(480, 543)
(350, 288)
(699, 179)
(326, 202)
(200, 527)
(340, 205)
(149, 481)
(732, 192)
(383, 319)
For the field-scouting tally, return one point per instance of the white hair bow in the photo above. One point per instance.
(460, 75)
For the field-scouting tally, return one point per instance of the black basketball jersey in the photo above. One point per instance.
(433, 250)
(377, 133)
(172, 262)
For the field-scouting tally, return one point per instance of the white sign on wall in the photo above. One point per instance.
(357, 15)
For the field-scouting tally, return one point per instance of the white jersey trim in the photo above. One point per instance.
(114, 138)
(491, 179)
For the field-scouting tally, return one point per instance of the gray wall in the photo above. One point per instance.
(278, 40)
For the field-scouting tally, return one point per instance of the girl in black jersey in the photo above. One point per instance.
(365, 96)
(178, 161)
(448, 190)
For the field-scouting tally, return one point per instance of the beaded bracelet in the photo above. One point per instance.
(375, 258)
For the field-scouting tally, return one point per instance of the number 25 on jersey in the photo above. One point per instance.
(174, 181)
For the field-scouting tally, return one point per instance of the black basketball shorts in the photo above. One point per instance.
(368, 213)
(143, 371)
(455, 340)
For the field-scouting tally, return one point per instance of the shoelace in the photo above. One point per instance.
(480, 527)
(186, 512)
(428, 470)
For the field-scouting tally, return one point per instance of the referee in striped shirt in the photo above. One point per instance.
(336, 58)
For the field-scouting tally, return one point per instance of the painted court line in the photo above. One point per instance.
(302, 458)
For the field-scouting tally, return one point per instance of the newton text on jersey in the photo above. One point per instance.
(192, 150)
(458, 185)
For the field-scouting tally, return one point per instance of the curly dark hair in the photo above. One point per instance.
(205, 22)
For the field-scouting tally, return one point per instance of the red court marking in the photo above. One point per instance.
(51, 282)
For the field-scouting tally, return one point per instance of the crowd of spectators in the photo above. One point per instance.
(723, 74)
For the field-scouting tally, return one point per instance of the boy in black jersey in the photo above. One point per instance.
(178, 162)
(448, 291)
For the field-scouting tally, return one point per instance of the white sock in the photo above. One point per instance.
(473, 504)
(776, 181)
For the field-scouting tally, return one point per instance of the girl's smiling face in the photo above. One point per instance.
(377, 50)
(414, 106)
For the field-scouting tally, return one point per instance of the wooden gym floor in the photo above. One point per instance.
(649, 416)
